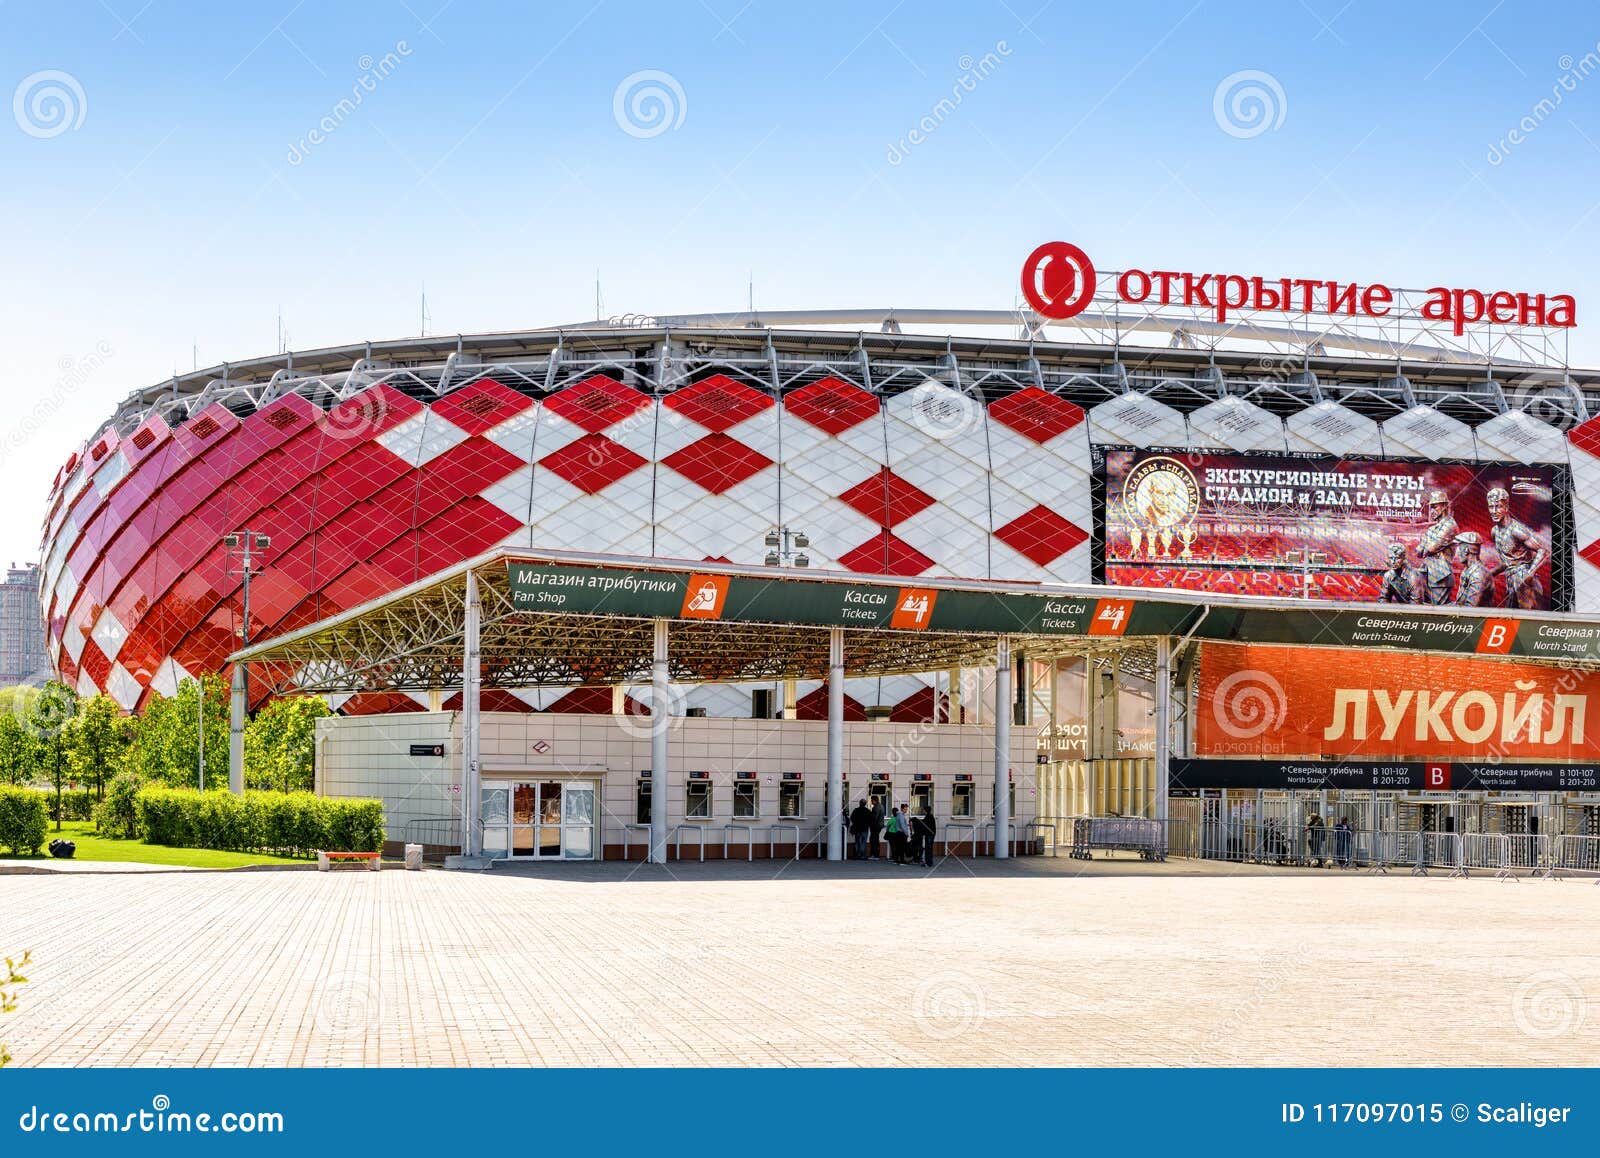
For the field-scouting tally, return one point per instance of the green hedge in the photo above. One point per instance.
(291, 823)
(77, 804)
(24, 820)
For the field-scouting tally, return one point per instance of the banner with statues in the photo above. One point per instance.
(1319, 527)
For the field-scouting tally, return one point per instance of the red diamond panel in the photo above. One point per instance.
(1586, 437)
(1036, 413)
(596, 403)
(481, 405)
(717, 462)
(592, 463)
(886, 555)
(887, 498)
(1591, 553)
(718, 402)
(814, 706)
(1041, 535)
(831, 405)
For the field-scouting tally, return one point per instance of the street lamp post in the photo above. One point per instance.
(786, 548)
(242, 546)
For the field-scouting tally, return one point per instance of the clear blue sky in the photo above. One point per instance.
(185, 207)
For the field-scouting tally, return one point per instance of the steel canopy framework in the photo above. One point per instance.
(412, 638)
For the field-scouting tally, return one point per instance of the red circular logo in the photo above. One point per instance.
(1058, 279)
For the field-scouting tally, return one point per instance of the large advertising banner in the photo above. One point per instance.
(1330, 528)
(1376, 704)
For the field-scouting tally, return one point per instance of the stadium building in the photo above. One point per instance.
(812, 531)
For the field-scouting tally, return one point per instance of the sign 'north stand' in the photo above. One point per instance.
(560, 589)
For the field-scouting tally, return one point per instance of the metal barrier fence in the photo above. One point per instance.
(1137, 834)
(772, 839)
(435, 832)
(1503, 855)
(1574, 854)
(699, 831)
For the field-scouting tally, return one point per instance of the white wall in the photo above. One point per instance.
(367, 756)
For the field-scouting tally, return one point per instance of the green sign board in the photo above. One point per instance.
(561, 589)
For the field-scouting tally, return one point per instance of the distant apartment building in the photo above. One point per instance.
(22, 654)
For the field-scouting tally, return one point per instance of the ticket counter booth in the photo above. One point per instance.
(746, 796)
(878, 792)
(697, 802)
(921, 793)
(792, 796)
(962, 803)
(642, 797)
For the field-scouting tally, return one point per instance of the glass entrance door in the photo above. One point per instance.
(549, 820)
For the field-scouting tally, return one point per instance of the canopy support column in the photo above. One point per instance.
(1163, 727)
(837, 805)
(471, 726)
(660, 724)
(1002, 747)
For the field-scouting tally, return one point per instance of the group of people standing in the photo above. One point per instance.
(910, 837)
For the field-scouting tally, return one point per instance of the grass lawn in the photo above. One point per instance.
(99, 848)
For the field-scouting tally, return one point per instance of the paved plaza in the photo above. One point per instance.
(1032, 963)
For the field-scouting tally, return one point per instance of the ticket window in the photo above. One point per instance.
(922, 798)
(642, 800)
(697, 798)
(961, 800)
(792, 797)
(746, 797)
(878, 795)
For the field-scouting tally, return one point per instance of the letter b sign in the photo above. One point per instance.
(1436, 777)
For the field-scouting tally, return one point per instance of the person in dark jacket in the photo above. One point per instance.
(926, 828)
(877, 829)
(860, 827)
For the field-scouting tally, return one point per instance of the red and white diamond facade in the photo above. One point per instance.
(908, 461)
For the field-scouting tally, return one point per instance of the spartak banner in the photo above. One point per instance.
(1258, 700)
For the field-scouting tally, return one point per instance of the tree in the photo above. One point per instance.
(99, 741)
(16, 749)
(49, 722)
(8, 999)
(166, 747)
(280, 744)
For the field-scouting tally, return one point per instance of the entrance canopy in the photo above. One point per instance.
(553, 618)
